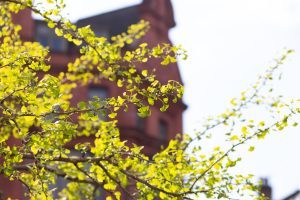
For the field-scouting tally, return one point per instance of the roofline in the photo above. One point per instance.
(108, 13)
(292, 195)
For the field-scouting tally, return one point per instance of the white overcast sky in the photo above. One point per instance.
(229, 43)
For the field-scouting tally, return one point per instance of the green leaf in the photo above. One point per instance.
(251, 148)
(233, 102)
(245, 130)
(81, 105)
(112, 115)
(151, 101)
(51, 24)
(162, 195)
(120, 83)
(58, 32)
(145, 72)
(166, 61)
(77, 42)
(144, 111)
(34, 149)
(164, 108)
(120, 100)
(234, 138)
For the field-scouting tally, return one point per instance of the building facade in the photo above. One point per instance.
(151, 132)
(266, 189)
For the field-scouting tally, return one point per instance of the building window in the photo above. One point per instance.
(101, 93)
(140, 123)
(46, 37)
(163, 129)
(102, 32)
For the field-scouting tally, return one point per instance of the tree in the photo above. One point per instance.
(37, 112)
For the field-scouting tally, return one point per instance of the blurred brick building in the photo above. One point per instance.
(266, 189)
(151, 132)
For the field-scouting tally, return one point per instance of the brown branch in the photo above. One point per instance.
(73, 160)
(233, 147)
(115, 180)
(263, 79)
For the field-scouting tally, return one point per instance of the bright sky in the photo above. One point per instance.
(230, 42)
